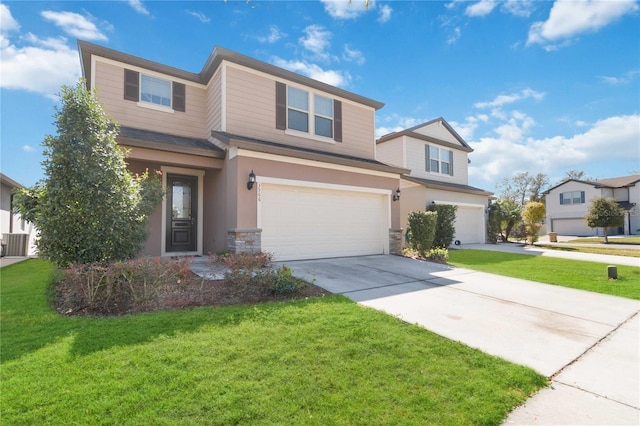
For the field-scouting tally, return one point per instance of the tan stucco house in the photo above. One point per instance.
(310, 147)
(568, 203)
(438, 160)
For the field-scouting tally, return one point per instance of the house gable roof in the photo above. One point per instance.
(9, 182)
(217, 56)
(617, 182)
(423, 132)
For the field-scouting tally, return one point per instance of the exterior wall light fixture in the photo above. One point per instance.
(252, 180)
(396, 196)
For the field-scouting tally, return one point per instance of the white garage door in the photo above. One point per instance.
(306, 223)
(572, 227)
(469, 225)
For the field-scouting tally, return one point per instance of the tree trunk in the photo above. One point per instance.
(606, 238)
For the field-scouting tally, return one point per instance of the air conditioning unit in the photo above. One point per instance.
(15, 244)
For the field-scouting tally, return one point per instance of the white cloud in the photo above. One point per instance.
(511, 98)
(74, 24)
(454, 36)
(518, 7)
(395, 123)
(353, 55)
(274, 35)
(569, 18)
(199, 16)
(42, 66)
(612, 138)
(138, 7)
(317, 39)
(332, 77)
(384, 14)
(624, 79)
(344, 9)
(28, 148)
(7, 23)
(481, 8)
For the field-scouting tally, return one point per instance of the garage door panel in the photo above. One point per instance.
(469, 225)
(305, 223)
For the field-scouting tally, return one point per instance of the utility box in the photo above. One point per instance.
(553, 237)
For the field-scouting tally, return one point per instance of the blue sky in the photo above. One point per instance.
(536, 86)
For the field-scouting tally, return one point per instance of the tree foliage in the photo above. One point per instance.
(522, 188)
(445, 226)
(89, 207)
(604, 213)
(532, 215)
(422, 228)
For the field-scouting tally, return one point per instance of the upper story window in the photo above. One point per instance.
(155, 91)
(572, 197)
(438, 160)
(308, 112)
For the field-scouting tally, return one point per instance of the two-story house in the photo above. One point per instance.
(254, 157)
(568, 204)
(438, 159)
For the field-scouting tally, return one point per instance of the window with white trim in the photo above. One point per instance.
(438, 160)
(300, 110)
(155, 90)
(572, 197)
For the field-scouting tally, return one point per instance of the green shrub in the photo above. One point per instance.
(445, 227)
(285, 282)
(438, 254)
(422, 230)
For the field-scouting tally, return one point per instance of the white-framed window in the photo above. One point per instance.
(572, 197)
(302, 106)
(438, 160)
(155, 90)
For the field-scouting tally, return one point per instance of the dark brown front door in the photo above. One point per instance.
(182, 213)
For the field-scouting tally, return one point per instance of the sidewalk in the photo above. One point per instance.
(541, 251)
(10, 260)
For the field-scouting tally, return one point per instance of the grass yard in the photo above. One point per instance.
(612, 240)
(578, 274)
(591, 249)
(317, 361)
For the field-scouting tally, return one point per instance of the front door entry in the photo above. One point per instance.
(182, 212)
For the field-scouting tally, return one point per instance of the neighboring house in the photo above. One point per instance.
(17, 235)
(568, 203)
(319, 190)
(438, 159)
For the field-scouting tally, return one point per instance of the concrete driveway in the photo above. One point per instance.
(587, 343)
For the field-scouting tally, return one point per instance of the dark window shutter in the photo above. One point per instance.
(337, 121)
(582, 197)
(179, 97)
(561, 199)
(427, 159)
(131, 84)
(451, 163)
(281, 106)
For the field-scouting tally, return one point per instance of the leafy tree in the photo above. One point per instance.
(575, 174)
(510, 216)
(422, 228)
(493, 223)
(89, 207)
(604, 213)
(445, 226)
(532, 215)
(522, 188)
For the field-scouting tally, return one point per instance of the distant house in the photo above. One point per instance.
(568, 203)
(254, 157)
(438, 159)
(17, 235)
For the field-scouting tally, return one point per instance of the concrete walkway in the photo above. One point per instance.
(10, 260)
(587, 343)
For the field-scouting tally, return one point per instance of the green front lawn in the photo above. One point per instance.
(612, 240)
(316, 361)
(578, 274)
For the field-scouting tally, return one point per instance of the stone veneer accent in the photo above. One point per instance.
(244, 240)
(395, 241)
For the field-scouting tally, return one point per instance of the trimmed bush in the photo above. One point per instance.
(445, 227)
(422, 230)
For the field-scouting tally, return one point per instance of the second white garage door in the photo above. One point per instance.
(469, 225)
(300, 222)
